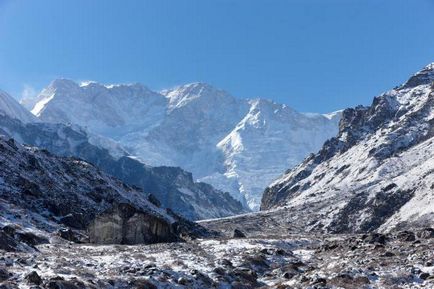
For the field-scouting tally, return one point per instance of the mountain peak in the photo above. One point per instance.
(184, 94)
(63, 83)
(422, 77)
(195, 88)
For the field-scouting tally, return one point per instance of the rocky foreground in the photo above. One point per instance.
(396, 260)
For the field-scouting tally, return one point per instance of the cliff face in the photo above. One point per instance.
(124, 224)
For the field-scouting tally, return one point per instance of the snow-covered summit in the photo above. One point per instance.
(198, 91)
(193, 126)
(270, 138)
(424, 76)
(104, 108)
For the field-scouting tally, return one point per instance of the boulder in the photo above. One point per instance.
(7, 243)
(4, 274)
(124, 224)
(238, 234)
(426, 233)
(375, 238)
(33, 278)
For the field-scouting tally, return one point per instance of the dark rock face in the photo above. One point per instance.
(426, 233)
(33, 278)
(7, 243)
(238, 234)
(4, 274)
(124, 224)
(425, 76)
(165, 183)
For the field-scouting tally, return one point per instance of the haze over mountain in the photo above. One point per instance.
(237, 145)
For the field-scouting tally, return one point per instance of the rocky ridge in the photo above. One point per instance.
(375, 175)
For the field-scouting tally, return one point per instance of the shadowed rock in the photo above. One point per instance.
(124, 224)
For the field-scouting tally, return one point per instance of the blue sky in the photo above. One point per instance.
(316, 56)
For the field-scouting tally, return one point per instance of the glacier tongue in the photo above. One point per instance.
(237, 145)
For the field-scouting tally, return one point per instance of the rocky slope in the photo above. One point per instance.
(401, 260)
(41, 194)
(376, 174)
(246, 143)
(173, 187)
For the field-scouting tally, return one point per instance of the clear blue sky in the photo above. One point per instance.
(312, 55)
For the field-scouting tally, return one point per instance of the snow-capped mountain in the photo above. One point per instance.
(105, 109)
(236, 145)
(173, 187)
(10, 107)
(254, 149)
(376, 174)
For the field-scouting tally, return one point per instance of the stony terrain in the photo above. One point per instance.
(398, 260)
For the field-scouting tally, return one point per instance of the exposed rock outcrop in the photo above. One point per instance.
(124, 224)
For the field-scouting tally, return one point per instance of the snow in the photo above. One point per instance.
(399, 151)
(246, 143)
(10, 107)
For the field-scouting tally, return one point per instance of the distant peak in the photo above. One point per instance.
(87, 83)
(268, 104)
(134, 85)
(63, 83)
(196, 88)
(183, 94)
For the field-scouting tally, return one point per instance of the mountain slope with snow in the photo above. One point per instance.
(10, 107)
(173, 187)
(42, 194)
(268, 133)
(376, 174)
(236, 145)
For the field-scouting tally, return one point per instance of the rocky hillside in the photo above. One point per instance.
(246, 143)
(173, 187)
(43, 196)
(376, 174)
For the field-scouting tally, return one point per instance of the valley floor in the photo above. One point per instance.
(399, 260)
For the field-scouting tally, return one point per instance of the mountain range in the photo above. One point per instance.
(172, 186)
(359, 213)
(237, 145)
